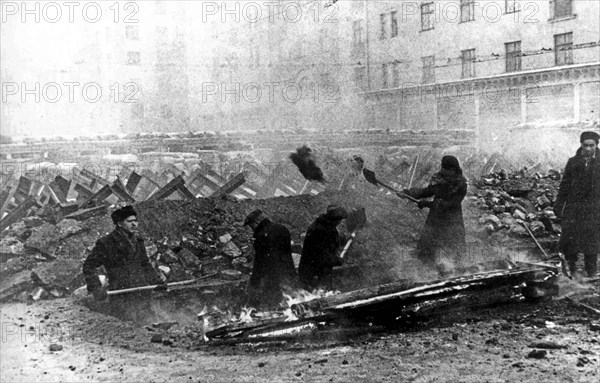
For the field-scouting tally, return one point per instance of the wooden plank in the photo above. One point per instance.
(132, 182)
(89, 174)
(119, 190)
(185, 192)
(229, 186)
(168, 189)
(18, 213)
(83, 193)
(99, 196)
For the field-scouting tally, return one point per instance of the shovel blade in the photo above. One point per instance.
(370, 176)
(356, 220)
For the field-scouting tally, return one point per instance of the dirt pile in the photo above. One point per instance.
(517, 201)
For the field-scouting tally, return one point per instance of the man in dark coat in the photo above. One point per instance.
(273, 268)
(578, 204)
(123, 255)
(320, 252)
(444, 227)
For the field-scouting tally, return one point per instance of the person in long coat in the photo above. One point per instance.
(320, 252)
(578, 205)
(273, 270)
(123, 255)
(444, 228)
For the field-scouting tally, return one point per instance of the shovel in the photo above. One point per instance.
(356, 220)
(152, 287)
(563, 262)
(370, 177)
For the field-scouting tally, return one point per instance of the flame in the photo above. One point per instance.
(246, 315)
(300, 296)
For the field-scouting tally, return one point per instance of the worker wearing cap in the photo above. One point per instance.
(123, 255)
(578, 204)
(322, 245)
(273, 269)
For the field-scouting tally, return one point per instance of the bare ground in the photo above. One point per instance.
(487, 345)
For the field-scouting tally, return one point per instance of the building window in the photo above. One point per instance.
(427, 16)
(360, 78)
(394, 22)
(511, 6)
(563, 8)
(134, 58)
(384, 76)
(563, 49)
(467, 10)
(428, 69)
(513, 56)
(468, 63)
(132, 32)
(358, 38)
(395, 74)
(383, 30)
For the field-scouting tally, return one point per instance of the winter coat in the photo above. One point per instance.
(320, 252)
(273, 264)
(124, 260)
(578, 203)
(444, 227)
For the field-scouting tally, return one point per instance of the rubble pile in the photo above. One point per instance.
(512, 200)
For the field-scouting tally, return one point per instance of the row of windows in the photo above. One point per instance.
(390, 72)
(389, 21)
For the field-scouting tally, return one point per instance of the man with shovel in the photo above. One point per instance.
(322, 245)
(123, 255)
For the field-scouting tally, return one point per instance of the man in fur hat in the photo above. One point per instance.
(322, 245)
(273, 268)
(123, 255)
(578, 205)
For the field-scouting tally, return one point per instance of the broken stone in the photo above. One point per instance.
(519, 214)
(537, 228)
(537, 354)
(531, 217)
(526, 205)
(11, 246)
(499, 209)
(168, 257)
(225, 238)
(242, 264)
(151, 250)
(33, 221)
(231, 250)
(543, 201)
(55, 347)
(39, 293)
(518, 231)
(69, 227)
(231, 275)
(491, 219)
(164, 325)
(189, 259)
(156, 338)
(582, 361)
(165, 270)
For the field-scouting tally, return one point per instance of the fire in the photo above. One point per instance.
(214, 317)
(300, 296)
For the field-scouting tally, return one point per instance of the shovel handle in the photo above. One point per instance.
(397, 192)
(345, 250)
(152, 287)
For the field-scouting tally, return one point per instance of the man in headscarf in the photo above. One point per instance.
(578, 204)
(444, 228)
(273, 269)
(123, 255)
(322, 245)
